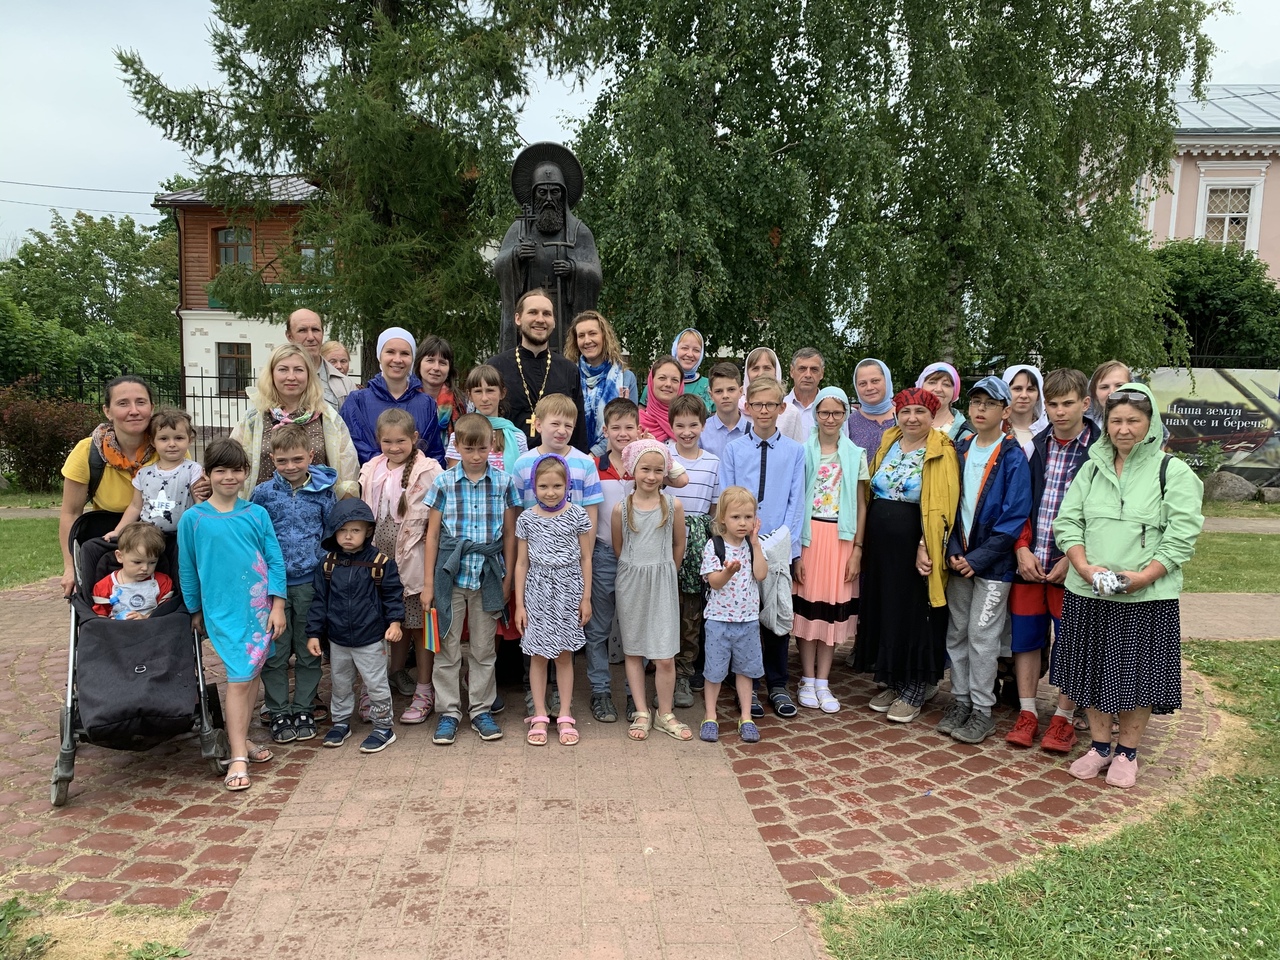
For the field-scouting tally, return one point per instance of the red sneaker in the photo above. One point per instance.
(1024, 731)
(1060, 737)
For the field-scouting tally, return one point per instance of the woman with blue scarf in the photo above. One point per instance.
(593, 345)
(874, 388)
(825, 580)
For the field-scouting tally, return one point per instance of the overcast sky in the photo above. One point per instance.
(66, 119)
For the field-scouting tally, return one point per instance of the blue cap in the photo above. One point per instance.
(993, 387)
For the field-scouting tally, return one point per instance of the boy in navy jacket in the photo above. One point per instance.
(359, 603)
(995, 499)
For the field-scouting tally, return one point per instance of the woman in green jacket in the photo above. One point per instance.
(1128, 523)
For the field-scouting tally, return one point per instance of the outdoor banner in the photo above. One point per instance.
(1239, 409)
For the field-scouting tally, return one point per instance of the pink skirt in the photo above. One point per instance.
(826, 607)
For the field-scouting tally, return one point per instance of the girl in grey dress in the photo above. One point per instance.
(649, 539)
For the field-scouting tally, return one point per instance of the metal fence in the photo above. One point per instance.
(216, 404)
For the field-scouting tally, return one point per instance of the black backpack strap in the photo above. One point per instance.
(717, 544)
(1164, 474)
(97, 467)
(330, 561)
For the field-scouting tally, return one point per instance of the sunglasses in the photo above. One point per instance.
(1135, 397)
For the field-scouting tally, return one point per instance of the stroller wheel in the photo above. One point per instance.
(58, 792)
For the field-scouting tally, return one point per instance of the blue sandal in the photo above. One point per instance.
(748, 731)
(709, 731)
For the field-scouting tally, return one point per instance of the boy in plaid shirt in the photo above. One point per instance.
(1061, 449)
(471, 531)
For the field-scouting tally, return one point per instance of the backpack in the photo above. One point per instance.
(97, 467)
(378, 565)
(1164, 476)
(717, 543)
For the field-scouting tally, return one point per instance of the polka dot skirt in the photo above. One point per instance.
(1115, 656)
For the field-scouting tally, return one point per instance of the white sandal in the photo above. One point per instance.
(826, 700)
(808, 696)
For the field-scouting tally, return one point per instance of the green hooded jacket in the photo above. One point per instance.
(1122, 522)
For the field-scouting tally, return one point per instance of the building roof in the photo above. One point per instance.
(1229, 108)
(284, 190)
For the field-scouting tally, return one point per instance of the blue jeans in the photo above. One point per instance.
(604, 573)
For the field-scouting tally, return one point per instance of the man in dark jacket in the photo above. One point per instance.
(995, 497)
(359, 604)
(1061, 449)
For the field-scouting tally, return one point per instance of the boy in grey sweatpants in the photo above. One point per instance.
(995, 499)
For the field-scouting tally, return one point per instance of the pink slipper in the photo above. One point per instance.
(424, 701)
(1090, 765)
(1123, 772)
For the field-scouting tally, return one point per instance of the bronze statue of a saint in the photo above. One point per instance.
(547, 247)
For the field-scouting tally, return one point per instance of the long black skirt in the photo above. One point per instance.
(1116, 656)
(900, 637)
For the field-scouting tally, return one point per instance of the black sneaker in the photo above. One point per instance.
(379, 739)
(631, 708)
(697, 683)
(498, 704)
(304, 726)
(337, 735)
(282, 729)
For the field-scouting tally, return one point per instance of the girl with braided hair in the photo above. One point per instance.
(394, 484)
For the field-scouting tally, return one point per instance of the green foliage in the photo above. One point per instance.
(1207, 460)
(37, 433)
(913, 180)
(400, 112)
(1200, 882)
(109, 281)
(31, 553)
(11, 948)
(1225, 298)
(59, 354)
(157, 951)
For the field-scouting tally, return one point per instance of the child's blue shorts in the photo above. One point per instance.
(733, 646)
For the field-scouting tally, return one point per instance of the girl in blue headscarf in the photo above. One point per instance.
(874, 388)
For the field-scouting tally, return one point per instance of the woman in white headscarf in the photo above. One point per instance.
(1026, 413)
(763, 362)
(396, 385)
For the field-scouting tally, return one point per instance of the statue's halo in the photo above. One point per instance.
(535, 154)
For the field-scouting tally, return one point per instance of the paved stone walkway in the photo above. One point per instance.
(1242, 524)
(609, 849)
(1230, 616)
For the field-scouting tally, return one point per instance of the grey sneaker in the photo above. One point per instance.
(883, 700)
(402, 682)
(930, 691)
(956, 715)
(684, 696)
(902, 712)
(977, 728)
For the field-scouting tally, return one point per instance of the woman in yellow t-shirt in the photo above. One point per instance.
(124, 445)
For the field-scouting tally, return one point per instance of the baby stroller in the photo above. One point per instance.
(130, 684)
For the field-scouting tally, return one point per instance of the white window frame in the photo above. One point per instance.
(1255, 184)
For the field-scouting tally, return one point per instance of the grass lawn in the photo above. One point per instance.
(1234, 563)
(17, 498)
(1201, 881)
(29, 551)
(1220, 508)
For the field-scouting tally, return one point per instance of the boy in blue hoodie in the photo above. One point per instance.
(995, 499)
(298, 499)
(359, 605)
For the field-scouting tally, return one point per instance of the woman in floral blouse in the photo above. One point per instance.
(915, 488)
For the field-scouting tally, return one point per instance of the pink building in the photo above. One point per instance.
(1224, 182)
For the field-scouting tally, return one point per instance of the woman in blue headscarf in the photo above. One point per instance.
(874, 387)
(688, 349)
(593, 345)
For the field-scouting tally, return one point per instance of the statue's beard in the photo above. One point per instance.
(550, 219)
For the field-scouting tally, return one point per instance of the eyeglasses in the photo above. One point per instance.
(763, 406)
(830, 414)
(984, 404)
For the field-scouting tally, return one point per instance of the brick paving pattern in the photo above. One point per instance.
(608, 849)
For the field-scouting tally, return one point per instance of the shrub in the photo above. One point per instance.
(37, 433)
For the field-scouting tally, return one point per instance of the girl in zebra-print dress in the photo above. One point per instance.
(552, 592)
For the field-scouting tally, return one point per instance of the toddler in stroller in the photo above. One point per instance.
(131, 683)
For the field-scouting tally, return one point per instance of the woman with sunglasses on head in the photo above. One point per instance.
(1128, 523)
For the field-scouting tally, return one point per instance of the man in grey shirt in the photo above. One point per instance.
(307, 331)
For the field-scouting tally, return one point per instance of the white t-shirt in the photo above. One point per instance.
(703, 488)
(166, 493)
